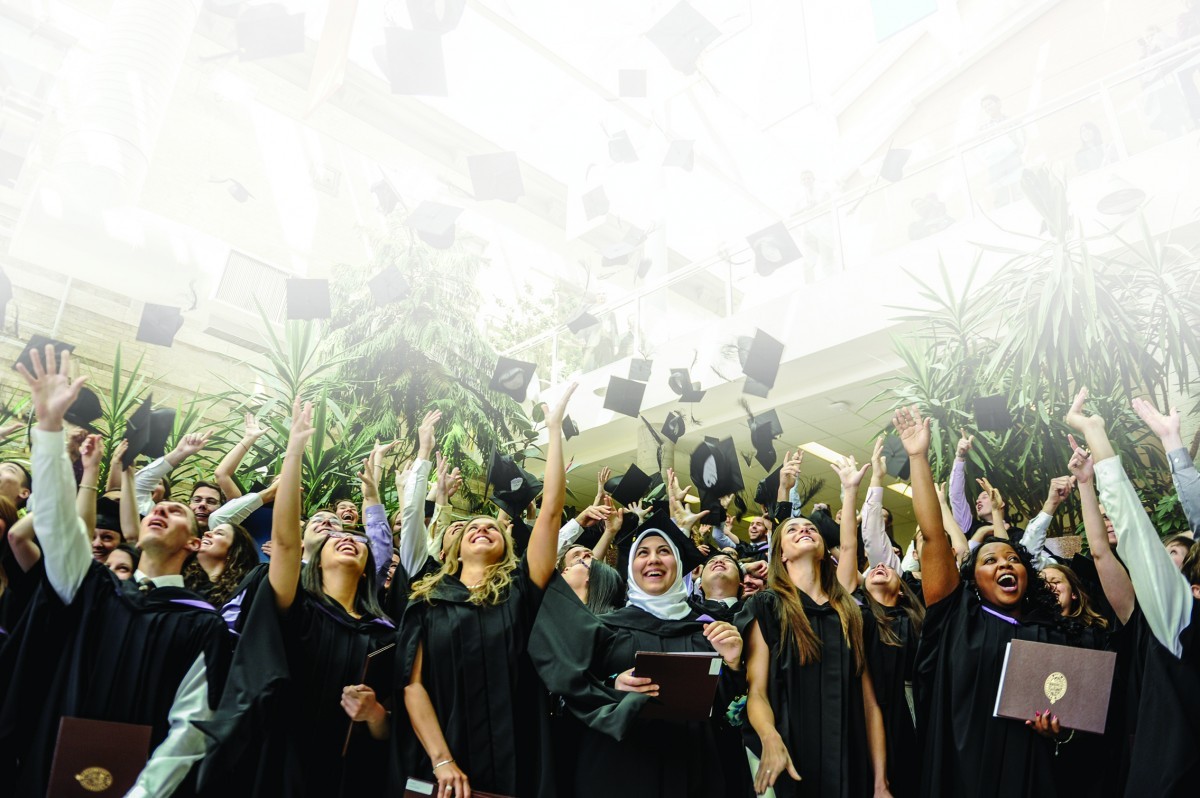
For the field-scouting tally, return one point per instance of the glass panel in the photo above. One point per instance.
(1155, 107)
(1074, 140)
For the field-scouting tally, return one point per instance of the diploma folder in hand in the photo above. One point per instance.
(687, 683)
(416, 788)
(97, 757)
(1073, 683)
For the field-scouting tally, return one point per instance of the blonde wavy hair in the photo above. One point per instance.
(496, 578)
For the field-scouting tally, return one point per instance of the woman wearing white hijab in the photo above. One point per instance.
(589, 661)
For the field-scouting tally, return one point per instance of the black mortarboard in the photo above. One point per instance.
(830, 531)
(629, 487)
(755, 388)
(108, 514)
(268, 30)
(991, 413)
(893, 165)
(681, 383)
(437, 16)
(388, 286)
(595, 203)
(514, 487)
(159, 324)
(767, 492)
(137, 432)
(682, 35)
(162, 423)
(681, 153)
(308, 299)
(674, 426)
(616, 254)
(640, 368)
(39, 342)
(715, 471)
(631, 82)
(512, 377)
(496, 175)
(570, 428)
(624, 396)
(689, 556)
(643, 268)
(413, 62)
(85, 409)
(620, 148)
(385, 195)
(773, 247)
(895, 459)
(434, 223)
(582, 322)
(762, 360)
(764, 429)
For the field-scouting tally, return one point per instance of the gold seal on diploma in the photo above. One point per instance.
(94, 779)
(1055, 687)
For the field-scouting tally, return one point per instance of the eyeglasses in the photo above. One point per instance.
(350, 535)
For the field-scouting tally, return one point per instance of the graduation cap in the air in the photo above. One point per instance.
(569, 427)
(715, 470)
(767, 492)
(39, 342)
(436, 16)
(631, 82)
(620, 148)
(108, 514)
(595, 203)
(582, 322)
(829, 529)
(159, 324)
(755, 388)
(764, 429)
(762, 359)
(434, 223)
(893, 164)
(680, 381)
(773, 247)
(388, 286)
(413, 62)
(84, 410)
(616, 254)
(640, 368)
(629, 487)
(385, 195)
(512, 377)
(659, 519)
(624, 396)
(674, 426)
(162, 422)
(681, 153)
(496, 175)
(682, 35)
(895, 459)
(137, 432)
(268, 30)
(308, 299)
(991, 413)
(514, 487)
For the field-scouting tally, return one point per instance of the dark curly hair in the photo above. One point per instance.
(1039, 604)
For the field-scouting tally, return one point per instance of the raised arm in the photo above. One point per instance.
(91, 452)
(379, 532)
(1114, 579)
(851, 476)
(233, 458)
(414, 538)
(939, 570)
(959, 504)
(64, 541)
(1183, 470)
(958, 539)
(23, 543)
(1162, 592)
(131, 520)
(286, 548)
(612, 525)
(1034, 539)
(542, 553)
(875, 542)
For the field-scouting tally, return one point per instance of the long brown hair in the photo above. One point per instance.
(496, 577)
(907, 600)
(1081, 608)
(8, 514)
(795, 629)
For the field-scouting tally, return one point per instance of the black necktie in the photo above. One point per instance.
(145, 585)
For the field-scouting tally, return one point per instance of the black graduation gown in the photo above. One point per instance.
(491, 707)
(720, 611)
(113, 654)
(967, 751)
(576, 653)
(1165, 714)
(891, 666)
(818, 707)
(280, 727)
(20, 589)
(915, 584)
